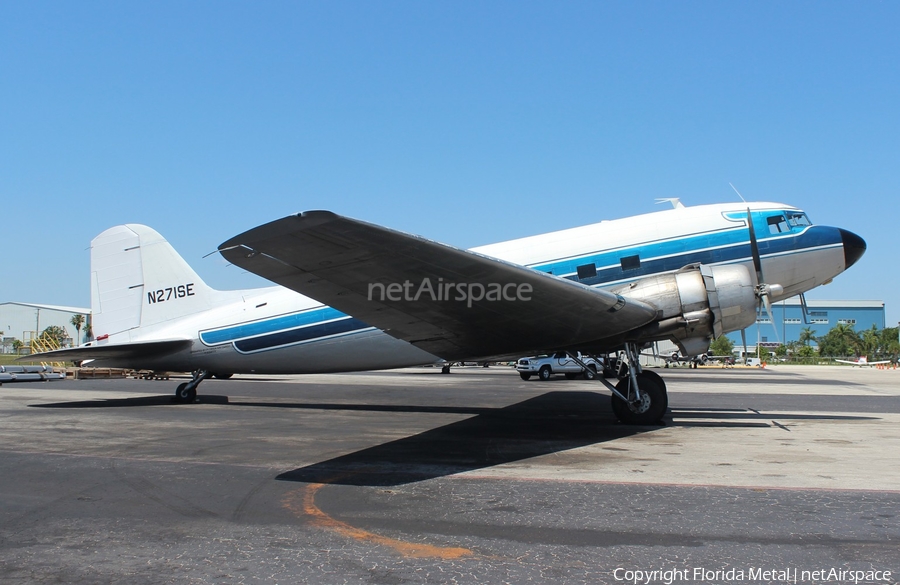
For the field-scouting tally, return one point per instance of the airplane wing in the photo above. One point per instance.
(450, 302)
(137, 349)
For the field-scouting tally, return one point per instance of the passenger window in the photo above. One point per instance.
(630, 262)
(587, 271)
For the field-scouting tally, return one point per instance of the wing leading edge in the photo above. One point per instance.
(450, 302)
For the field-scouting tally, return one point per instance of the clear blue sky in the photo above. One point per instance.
(465, 122)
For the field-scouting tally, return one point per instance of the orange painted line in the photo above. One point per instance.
(303, 501)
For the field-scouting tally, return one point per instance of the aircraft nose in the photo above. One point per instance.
(854, 248)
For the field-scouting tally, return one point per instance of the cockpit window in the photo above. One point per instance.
(777, 224)
(797, 219)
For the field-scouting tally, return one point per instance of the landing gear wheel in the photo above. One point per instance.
(445, 369)
(545, 373)
(525, 376)
(590, 373)
(652, 406)
(659, 380)
(184, 394)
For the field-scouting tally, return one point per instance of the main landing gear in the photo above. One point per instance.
(187, 391)
(639, 398)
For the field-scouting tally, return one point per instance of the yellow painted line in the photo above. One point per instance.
(303, 502)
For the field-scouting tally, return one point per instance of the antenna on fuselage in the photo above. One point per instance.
(675, 201)
(738, 192)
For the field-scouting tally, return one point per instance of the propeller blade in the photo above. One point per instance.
(754, 249)
(768, 302)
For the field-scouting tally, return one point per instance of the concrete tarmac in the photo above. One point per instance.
(412, 476)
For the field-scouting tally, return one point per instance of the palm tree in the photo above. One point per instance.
(78, 322)
(870, 341)
(842, 340)
(807, 335)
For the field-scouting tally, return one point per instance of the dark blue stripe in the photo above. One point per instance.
(299, 335)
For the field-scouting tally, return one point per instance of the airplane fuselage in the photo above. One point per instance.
(275, 330)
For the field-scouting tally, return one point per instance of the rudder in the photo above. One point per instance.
(139, 280)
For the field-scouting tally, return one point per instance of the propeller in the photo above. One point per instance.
(763, 290)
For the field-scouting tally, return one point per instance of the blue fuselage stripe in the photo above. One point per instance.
(256, 328)
(300, 335)
(714, 248)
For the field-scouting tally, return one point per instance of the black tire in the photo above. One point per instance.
(659, 380)
(653, 405)
(185, 395)
(545, 373)
(222, 376)
(525, 376)
(590, 373)
(445, 369)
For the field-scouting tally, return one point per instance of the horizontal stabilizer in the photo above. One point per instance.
(138, 349)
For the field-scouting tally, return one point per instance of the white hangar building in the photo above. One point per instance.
(22, 321)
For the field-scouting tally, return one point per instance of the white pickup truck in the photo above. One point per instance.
(545, 366)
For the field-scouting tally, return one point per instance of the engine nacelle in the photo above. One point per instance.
(695, 304)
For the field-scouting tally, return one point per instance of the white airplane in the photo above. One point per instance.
(357, 296)
(863, 361)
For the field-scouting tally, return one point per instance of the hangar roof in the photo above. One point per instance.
(61, 308)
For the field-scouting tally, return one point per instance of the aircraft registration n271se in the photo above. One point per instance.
(358, 296)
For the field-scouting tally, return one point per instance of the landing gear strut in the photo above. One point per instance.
(186, 392)
(640, 396)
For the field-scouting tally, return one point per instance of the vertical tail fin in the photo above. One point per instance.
(138, 280)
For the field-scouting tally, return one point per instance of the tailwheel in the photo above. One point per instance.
(650, 408)
(185, 394)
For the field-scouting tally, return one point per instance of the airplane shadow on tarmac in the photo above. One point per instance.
(550, 423)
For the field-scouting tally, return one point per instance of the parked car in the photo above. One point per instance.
(546, 366)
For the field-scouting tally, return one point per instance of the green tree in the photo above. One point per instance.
(17, 345)
(89, 331)
(870, 342)
(807, 335)
(842, 340)
(77, 321)
(889, 344)
(781, 350)
(806, 352)
(721, 346)
(56, 333)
